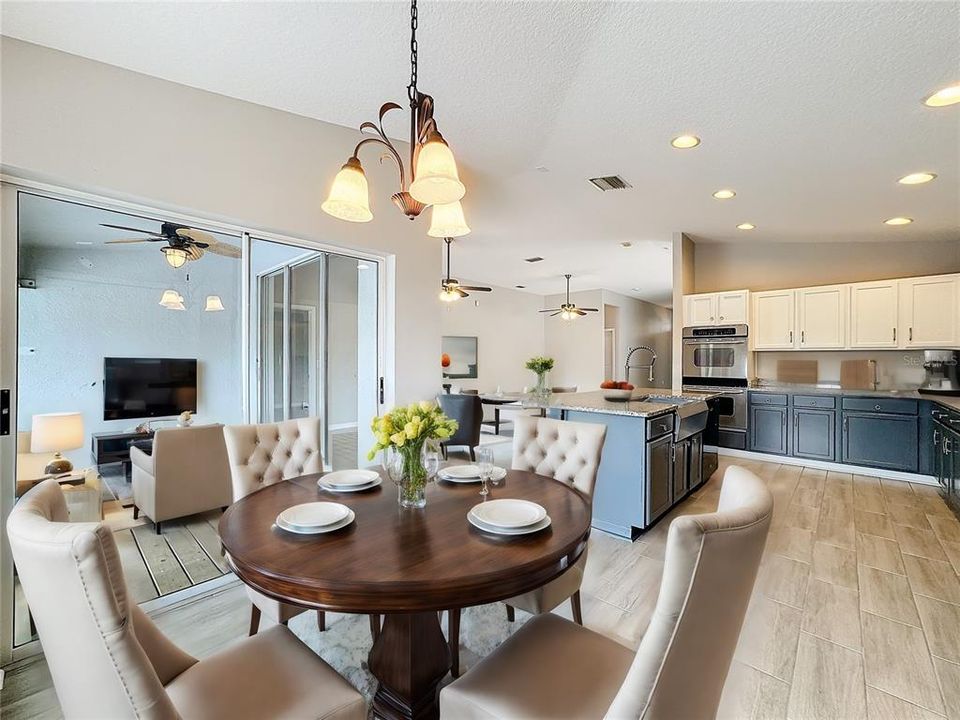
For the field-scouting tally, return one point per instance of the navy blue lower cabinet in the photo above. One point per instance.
(880, 440)
(768, 429)
(814, 434)
(659, 478)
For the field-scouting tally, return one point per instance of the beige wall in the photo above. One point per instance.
(105, 130)
(576, 345)
(685, 254)
(761, 266)
(641, 323)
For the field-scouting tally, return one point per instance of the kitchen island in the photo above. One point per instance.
(653, 454)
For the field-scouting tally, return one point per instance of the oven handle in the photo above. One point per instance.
(707, 388)
(715, 341)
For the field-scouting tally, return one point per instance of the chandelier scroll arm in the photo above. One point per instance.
(391, 151)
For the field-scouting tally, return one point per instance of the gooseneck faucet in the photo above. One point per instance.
(627, 366)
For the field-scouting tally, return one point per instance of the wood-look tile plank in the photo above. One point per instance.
(801, 516)
(140, 586)
(640, 586)
(880, 553)
(953, 553)
(192, 557)
(896, 661)
(162, 563)
(908, 515)
(768, 640)
(946, 529)
(791, 542)
(209, 540)
(919, 542)
(887, 594)
(934, 505)
(835, 565)
(784, 580)
(811, 497)
(883, 706)
(828, 682)
(898, 492)
(837, 531)
(949, 675)
(932, 578)
(832, 612)
(873, 523)
(941, 625)
(773, 696)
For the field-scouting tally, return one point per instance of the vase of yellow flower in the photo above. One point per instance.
(402, 435)
(541, 366)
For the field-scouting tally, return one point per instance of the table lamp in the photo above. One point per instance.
(56, 432)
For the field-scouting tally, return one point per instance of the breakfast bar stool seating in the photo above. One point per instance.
(108, 659)
(552, 668)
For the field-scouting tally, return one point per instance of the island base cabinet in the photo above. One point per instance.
(768, 429)
(814, 434)
(659, 478)
(878, 440)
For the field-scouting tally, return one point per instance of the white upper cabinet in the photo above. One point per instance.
(726, 308)
(773, 322)
(930, 311)
(822, 317)
(873, 314)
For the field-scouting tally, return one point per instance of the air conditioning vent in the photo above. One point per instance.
(533, 259)
(610, 182)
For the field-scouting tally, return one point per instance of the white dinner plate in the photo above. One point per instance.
(536, 527)
(317, 530)
(349, 478)
(498, 474)
(349, 488)
(509, 513)
(313, 515)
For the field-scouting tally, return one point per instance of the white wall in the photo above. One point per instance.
(79, 315)
(642, 323)
(103, 129)
(576, 345)
(509, 330)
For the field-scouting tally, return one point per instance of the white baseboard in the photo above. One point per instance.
(343, 426)
(838, 467)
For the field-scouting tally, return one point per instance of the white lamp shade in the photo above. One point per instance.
(172, 300)
(214, 304)
(176, 257)
(448, 221)
(349, 197)
(55, 432)
(436, 181)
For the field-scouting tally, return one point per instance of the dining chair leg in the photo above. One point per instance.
(473, 455)
(575, 605)
(510, 614)
(496, 421)
(453, 638)
(136, 513)
(374, 626)
(254, 619)
(321, 620)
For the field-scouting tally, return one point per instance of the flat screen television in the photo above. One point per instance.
(148, 387)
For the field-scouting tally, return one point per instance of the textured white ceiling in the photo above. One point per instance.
(811, 111)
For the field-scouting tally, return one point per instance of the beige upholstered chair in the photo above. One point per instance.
(108, 659)
(187, 473)
(261, 455)
(552, 668)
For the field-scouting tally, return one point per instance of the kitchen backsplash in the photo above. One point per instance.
(895, 368)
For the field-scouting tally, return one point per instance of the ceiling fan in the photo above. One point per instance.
(568, 310)
(183, 243)
(451, 289)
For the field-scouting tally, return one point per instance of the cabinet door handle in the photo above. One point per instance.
(910, 335)
(803, 336)
(846, 424)
(721, 317)
(796, 421)
(936, 440)
(791, 337)
(947, 446)
(894, 334)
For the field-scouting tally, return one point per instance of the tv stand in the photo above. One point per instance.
(114, 447)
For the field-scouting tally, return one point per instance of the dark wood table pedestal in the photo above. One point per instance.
(409, 658)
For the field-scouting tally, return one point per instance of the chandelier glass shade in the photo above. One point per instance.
(172, 300)
(447, 220)
(437, 180)
(176, 257)
(349, 197)
(214, 304)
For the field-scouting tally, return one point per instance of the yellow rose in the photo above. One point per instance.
(426, 405)
(398, 439)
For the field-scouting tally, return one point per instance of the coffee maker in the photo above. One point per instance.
(942, 368)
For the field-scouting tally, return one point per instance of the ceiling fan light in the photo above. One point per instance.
(214, 304)
(176, 257)
(447, 220)
(349, 197)
(436, 180)
(448, 295)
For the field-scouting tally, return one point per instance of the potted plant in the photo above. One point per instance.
(541, 366)
(403, 435)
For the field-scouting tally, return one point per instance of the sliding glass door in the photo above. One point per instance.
(315, 334)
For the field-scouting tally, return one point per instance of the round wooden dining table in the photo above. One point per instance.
(406, 564)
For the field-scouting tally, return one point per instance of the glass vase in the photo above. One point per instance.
(540, 394)
(405, 467)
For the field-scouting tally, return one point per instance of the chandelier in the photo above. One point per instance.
(429, 179)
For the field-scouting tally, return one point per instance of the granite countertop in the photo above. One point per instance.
(638, 407)
(952, 402)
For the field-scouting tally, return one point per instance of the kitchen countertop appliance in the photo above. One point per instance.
(942, 372)
(716, 359)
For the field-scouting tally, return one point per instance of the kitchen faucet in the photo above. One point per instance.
(627, 366)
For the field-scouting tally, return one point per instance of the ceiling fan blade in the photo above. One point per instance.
(476, 288)
(219, 248)
(197, 235)
(124, 227)
(556, 313)
(461, 293)
(552, 310)
(589, 309)
(130, 240)
(579, 312)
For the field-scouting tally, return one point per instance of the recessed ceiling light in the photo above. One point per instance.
(684, 142)
(542, 168)
(635, 289)
(898, 221)
(626, 244)
(724, 194)
(746, 226)
(362, 266)
(917, 178)
(941, 98)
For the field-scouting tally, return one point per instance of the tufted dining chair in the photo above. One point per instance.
(264, 454)
(107, 658)
(552, 668)
(570, 453)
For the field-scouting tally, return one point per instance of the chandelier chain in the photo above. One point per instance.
(412, 87)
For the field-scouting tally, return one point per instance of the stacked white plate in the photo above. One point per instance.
(315, 518)
(468, 474)
(349, 480)
(509, 517)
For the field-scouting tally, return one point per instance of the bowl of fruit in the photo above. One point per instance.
(614, 390)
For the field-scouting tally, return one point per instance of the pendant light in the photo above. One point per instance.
(214, 304)
(176, 256)
(172, 300)
(447, 221)
(429, 177)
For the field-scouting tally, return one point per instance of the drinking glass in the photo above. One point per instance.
(431, 459)
(484, 457)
